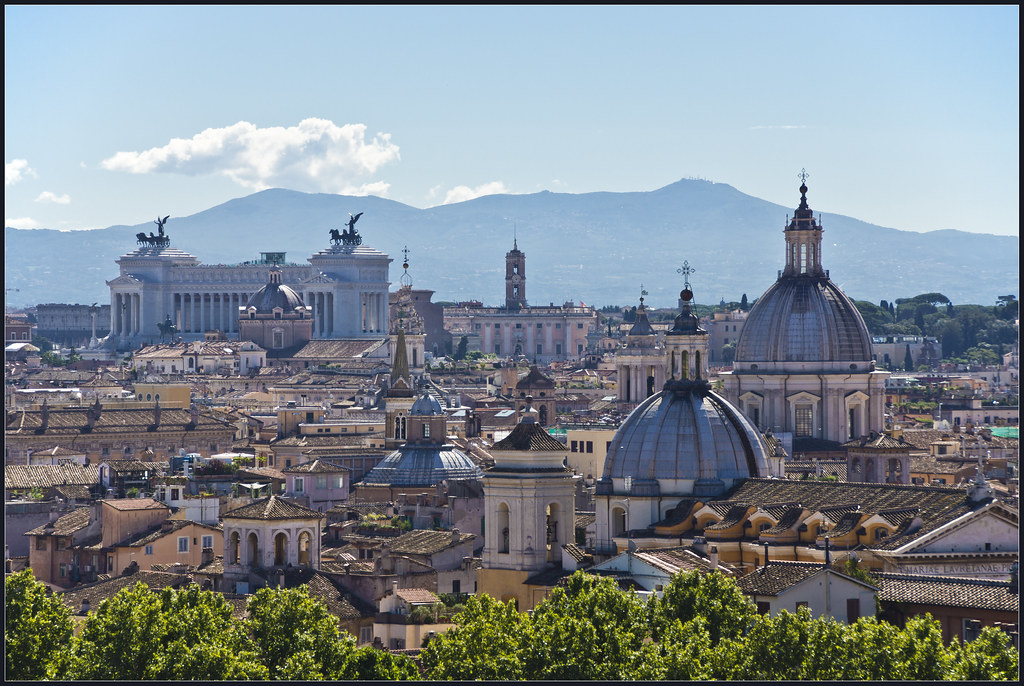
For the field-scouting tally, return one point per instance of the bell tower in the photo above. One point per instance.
(515, 278)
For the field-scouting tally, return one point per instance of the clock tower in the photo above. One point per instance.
(515, 278)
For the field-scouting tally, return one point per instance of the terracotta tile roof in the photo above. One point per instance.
(424, 542)
(65, 525)
(126, 504)
(947, 591)
(316, 467)
(575, 552)
(787, 521)
(879, 442)
(585, 519)
(529, 436)
(835, 468)
(777, 577)
(108, 588)
(130, 466)
(417, 596)
(58, 451)
(673, 560)
(324, 441)
(535, 379)
(340, 348)
(937, 505)
(340, 603)
(19, 477)
(273, 507)
(265, 472)
(156, 533)
(73, 492)
(72, 421)
(734, 516)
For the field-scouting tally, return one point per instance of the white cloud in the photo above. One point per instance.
(21, 222)
(15, 170)
(315, 155)
(464, 193)
(49, 196)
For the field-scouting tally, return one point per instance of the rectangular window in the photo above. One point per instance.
(40, 543)
(341, 482)
(149, 550)
(590, 446)
(497, 348)
(497, 327)
(207, 541)
(558, 325)
(299, 484)
(175, 494)
(321, 482)
(456, 586)
(572, 447)
(579, 326)
(62, 543)
(763, 608)
(519, 325)
(426, 430)
(540, 348)
(63, 569)
(182, 544)
(558, 348)
(804, 421)
(852, 610)
(365, 634)
(540, 326)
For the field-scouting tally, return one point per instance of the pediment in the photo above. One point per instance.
(125, 280)
(319, 278)
(992, 525)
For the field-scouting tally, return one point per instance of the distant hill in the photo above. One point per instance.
(594, 247)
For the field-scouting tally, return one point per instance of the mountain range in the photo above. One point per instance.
(598, 248)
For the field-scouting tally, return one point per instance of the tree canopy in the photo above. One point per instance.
(186, 634)
(702, 628)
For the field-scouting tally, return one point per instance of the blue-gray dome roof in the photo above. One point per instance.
(275, 295)
(426, 405)
(804, 319)
(688, 440)
(423, 465)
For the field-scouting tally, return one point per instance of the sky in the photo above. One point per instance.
(905, 117)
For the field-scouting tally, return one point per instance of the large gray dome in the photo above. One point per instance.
(684, 440)
(803, 319)
(423, 465)
(275, 294)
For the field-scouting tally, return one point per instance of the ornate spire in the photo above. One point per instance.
(803, 239)
(686, 321)
(400, 367)
(406, 280)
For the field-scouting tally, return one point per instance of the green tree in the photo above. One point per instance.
(460, 352)
(296, 637)
(728, 353)
(169, 635)
(989, 656)
(488, 643)
(743, 303)
(589, 629)
(714, 597)
(36, 627)
(908, 361)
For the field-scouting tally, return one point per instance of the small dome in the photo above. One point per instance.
(275, 294)
(686, 440)
(425, 406)
(804, 319)
(418, 465)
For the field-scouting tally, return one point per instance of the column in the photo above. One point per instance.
(329, 328)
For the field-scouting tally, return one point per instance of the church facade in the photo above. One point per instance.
(345, 286)
(542, 334)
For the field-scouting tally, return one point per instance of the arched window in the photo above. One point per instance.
(234, 541)
(280, 549)
(253, 542)
(503, 528)
(618, 521)
(305, 548)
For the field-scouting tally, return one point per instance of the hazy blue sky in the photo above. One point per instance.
(906, 117)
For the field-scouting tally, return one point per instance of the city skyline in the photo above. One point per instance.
(904, 117)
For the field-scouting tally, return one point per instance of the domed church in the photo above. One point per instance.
(803, 368)
(683, 443)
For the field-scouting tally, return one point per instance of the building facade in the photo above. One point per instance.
(345, 286)
(542, 334)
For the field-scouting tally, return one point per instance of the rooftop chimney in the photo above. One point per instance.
(456, 536)
(766, 556)
(44, 416)
(828, 552)
(713, 556)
